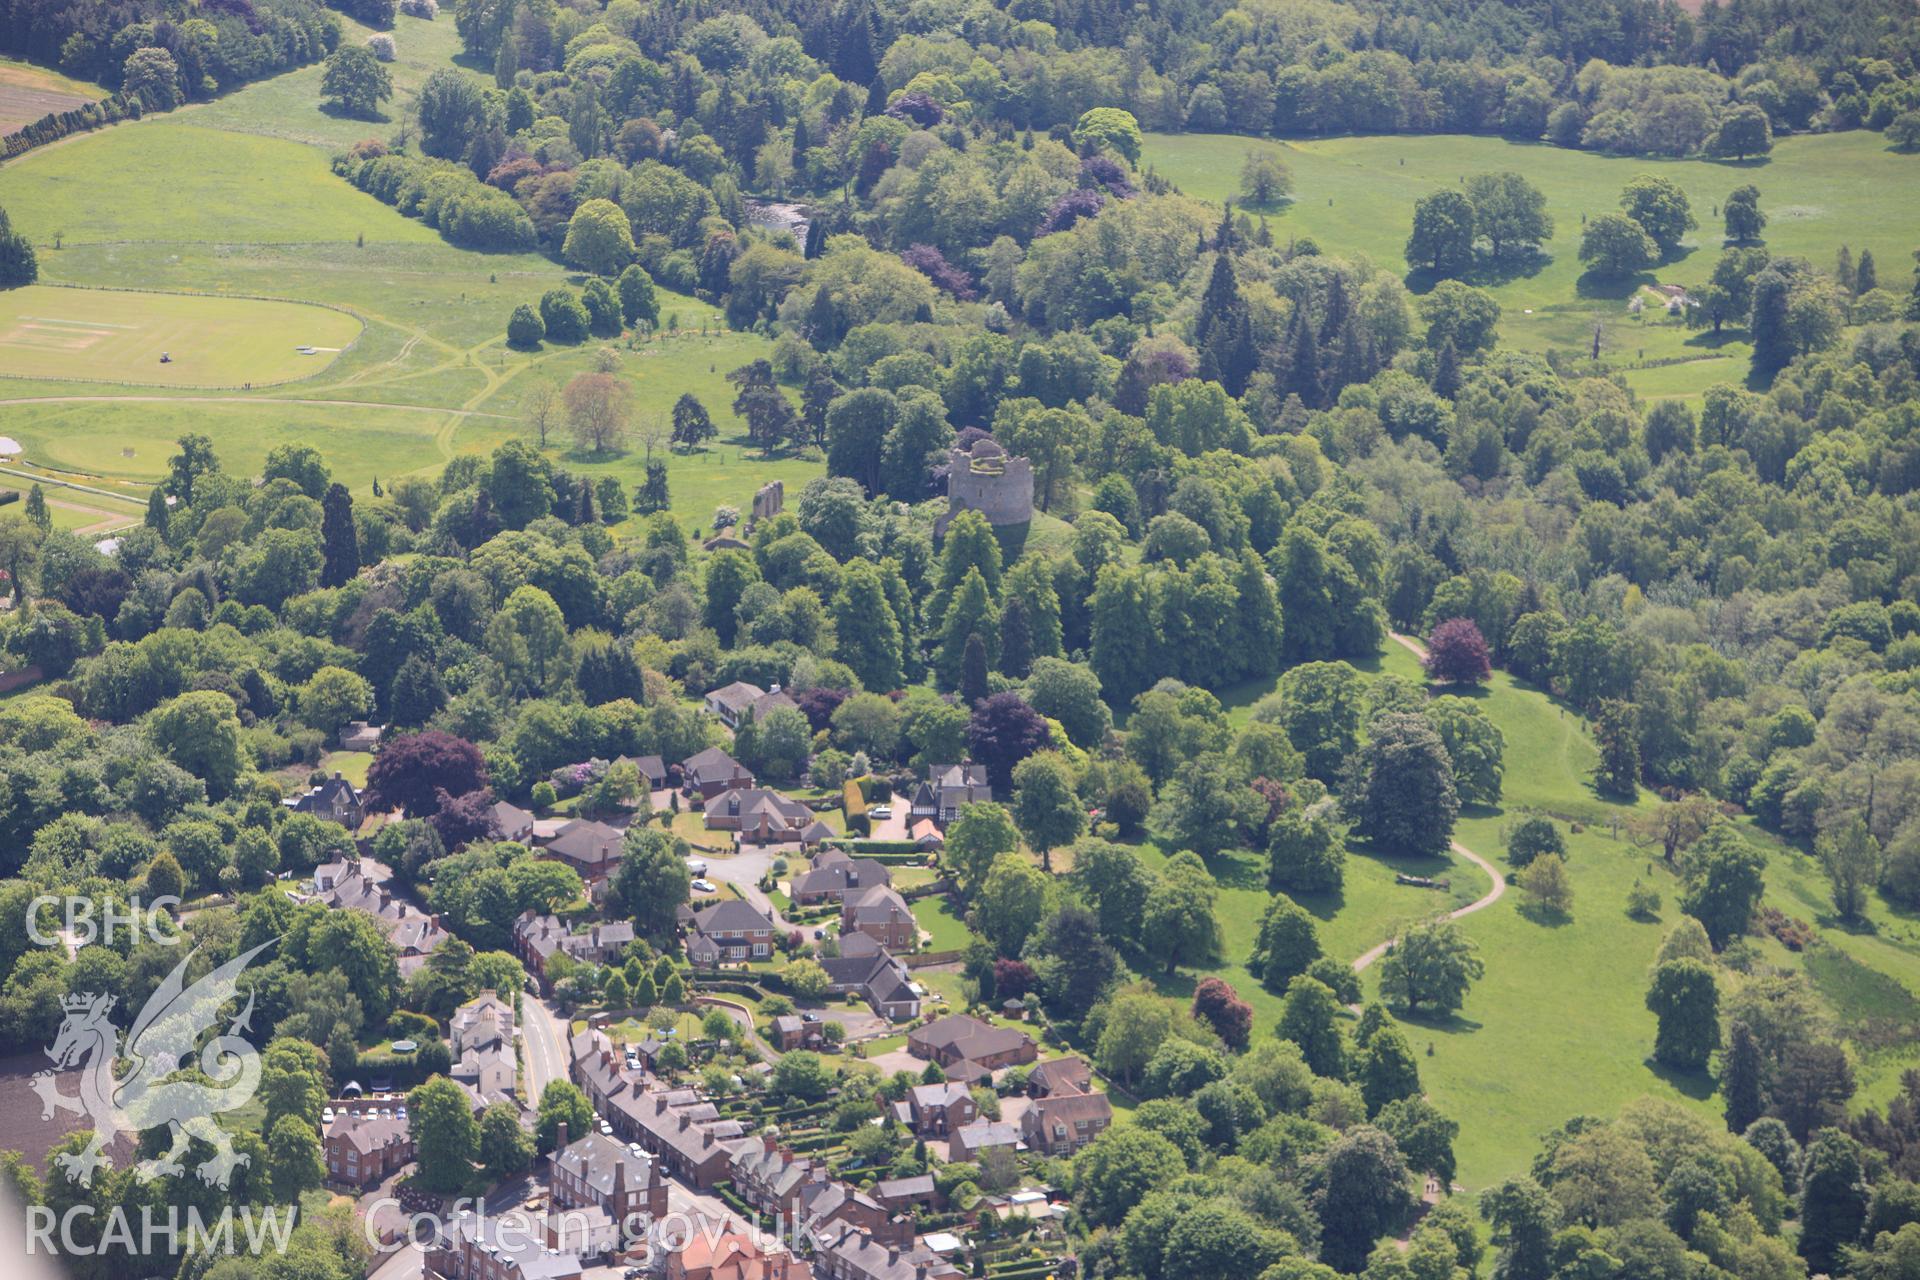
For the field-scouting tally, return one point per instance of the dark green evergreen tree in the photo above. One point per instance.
(339, 543)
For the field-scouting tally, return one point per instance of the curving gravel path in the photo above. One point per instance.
(1481, 903)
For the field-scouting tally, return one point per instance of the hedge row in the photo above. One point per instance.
(445, 196)
(56, 125)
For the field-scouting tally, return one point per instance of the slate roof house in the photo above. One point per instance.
(882, 915)
(866, 967)
(850, 1254)
(730, 932)
(953, 1039)
(510, 822)
(1062, 1123)
(357, 884)
(947, 788)
(969, 1140)
(835, 874)
(591, 848)
(333, 799)
(599, 1172)
(363, 1149)
(478, 1247)
(537, 937)
(731, 703)
(481, 1032)
(710, 772)
(762, 816)
(939, 1109)
(652, 769)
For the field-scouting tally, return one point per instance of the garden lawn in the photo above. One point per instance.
(947, 930)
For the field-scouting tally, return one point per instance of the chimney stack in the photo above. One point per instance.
(560, 1138)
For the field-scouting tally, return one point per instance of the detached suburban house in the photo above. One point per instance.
(711, 772)
(652, 769)
(730, 704)
(729, 932)
(947, 788)
(761, 816)
(835, 874)
(1062, 1123)
(334, 799)
(882, 915)
(961, 1038)
(866, 967)
(591, 848)
(510, 822)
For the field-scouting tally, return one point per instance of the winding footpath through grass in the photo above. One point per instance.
(1481, 903)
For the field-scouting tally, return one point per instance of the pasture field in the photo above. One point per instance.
(91, 334)
(288, 106)
(161, 180)
(1355, 196)
(28, 92)
(236, 198)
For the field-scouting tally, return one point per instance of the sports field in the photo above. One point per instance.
(174, 340)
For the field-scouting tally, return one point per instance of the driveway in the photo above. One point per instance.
(895, 826)
(899, 1060)
(859, 1023)
(743, 871)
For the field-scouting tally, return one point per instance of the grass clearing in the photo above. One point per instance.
(94, 335)
(164, 180)
(1355, 196)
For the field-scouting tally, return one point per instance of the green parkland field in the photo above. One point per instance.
(235, 199)
(1354, 197)
(92, 334)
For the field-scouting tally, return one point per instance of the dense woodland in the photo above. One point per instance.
(1254, 459)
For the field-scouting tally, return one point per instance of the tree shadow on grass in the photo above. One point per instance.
(1698, 1085)
(1433, 1020)
(1544, 916)
(1239, 869)
(1490, 272)
(1322, 906)
(1712, 341)
(338, 111)
(1602, 288)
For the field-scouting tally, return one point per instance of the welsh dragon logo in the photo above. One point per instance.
(144, 1097)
